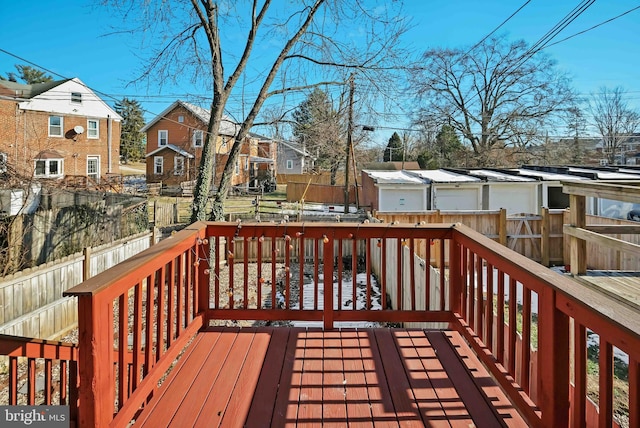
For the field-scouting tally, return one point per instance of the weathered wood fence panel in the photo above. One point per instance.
(321, 193)
(604, 258)
(523, 233)
(165, 213)
(31, 300)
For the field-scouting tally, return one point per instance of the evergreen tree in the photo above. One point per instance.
(393, 151)
(29, 75)
(132, 140)
(317, 127)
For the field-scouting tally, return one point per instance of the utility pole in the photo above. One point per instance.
(349, 144)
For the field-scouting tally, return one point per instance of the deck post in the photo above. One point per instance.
(204, 277)
(327, 261)
(553, 361)
(95, 362)
(577, 246)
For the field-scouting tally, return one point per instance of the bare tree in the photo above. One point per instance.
(496, 95)
(616, 121)
(306, 43)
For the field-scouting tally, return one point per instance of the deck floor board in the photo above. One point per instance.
(279, 377)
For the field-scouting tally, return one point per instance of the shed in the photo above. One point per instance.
(389, 191)
(514, 193)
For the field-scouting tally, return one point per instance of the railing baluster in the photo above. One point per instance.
(383, 263)
(171, 286)
(442, 275)
(316, 266)
(399, 303)
(149, 321)
(160, 284)
(231, 256)
(340, 254)
(480, 281)
(354, 272)
(260, 279)
(273, 272)
(31, 381)
(465, 282)
(13, 381)
(412, 273)
(605, 383)
(137, 333)
(245, 278)
(579, 401)
(301, 264)
(179, 286)
(427, 275)
(123, 347)
(64, 383)
(499, 352)
(287, 271)
(526, 338)
(513, 313)
(217, 256)
(489, 309)
(473, 283)
(367, 264)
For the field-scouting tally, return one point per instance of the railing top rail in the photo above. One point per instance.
(332, 230)
(119, 278)
(598, 305)
(18, 346)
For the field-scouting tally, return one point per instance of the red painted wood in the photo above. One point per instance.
(171, 287)
(301, 263)
(403, 401)
(231, 257)
(399, 298)
(260, 278)
(310, 404)
(506, 412)
(427, 275)
(123, 348)
(471, 291)
(442, 274)
(354, 270)
(217, 242)
(287, 401)
(339, 274)
(274, 254)
(328, 285)
(368, 274)
(605, 384)
(64, 383)
(148, 327)
(137, 334)
(525, 362)
(512, 328)
(500, 320)
(184, 375)
(489, 323)
(316, 263)
(419, 359)
(13, 381)
(382, 409)
(180, 285)
(579, 400)
(235, 382)
(160, 312)
(465, 283)
(334, 408)
(245, 277)
(267, 388)
(455, 280)
(287, 270)
(383, 279)
(189, 270)
(412, 273)
(356, 394)
(479, 299)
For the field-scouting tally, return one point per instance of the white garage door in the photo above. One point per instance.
(516, 199)
(402, 200)
(456, 199)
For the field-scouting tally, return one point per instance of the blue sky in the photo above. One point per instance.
(69, 38)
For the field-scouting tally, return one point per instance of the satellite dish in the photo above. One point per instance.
(78, 129)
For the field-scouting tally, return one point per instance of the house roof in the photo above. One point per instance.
(293, 146)
(394, 177)
(258, 159)
(26, 91)
(227, 125)
(171, 147)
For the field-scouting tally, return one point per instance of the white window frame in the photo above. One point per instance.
(180, 119)
(198, 135)
(163, 134)
(289, 164)
(158, 165)
(95, 135)
(61, 126)
(178, 165)
(47, 168)
(95, 175)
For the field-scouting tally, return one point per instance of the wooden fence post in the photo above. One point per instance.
(502, 227)
(86, 264)
(544, 238)
(176, 213)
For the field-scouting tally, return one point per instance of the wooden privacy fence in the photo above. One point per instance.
(32, 302)
(321, 193)
(536, 236)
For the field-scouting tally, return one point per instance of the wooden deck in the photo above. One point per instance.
(620, 285)
(258, 377)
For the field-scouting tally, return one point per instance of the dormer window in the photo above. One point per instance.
(76, 97)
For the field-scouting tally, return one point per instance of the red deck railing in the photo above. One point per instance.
(528, 324)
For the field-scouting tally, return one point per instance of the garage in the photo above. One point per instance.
(456, 198)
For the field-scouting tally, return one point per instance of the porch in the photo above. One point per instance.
(452, 289)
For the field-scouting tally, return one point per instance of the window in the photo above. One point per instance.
(163, 137)
(289, 164)
(180, 119)
(3, 162)
(246, 163)
(238, 166)
(197, 138)
(55, 126)
(178, 165)
(158, 164)
(76, 97)
(93, 128)
(48, 168)
(93, 167)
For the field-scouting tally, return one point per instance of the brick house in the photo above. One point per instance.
(57, 130)
(175, 139)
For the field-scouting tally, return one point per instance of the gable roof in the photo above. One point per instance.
(293, 146)
(227, 125)
(173, 148)
(26, 91)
